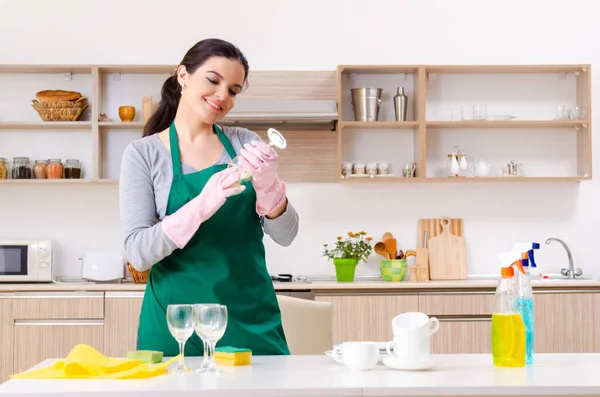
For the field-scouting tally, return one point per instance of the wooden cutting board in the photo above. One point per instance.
(434, 228)
(447, 252)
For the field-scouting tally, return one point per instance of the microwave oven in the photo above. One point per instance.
(26, 261)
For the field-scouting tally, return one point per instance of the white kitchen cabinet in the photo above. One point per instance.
(121, 319)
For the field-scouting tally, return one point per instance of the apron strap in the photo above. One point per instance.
(225, 141)
(175, 155)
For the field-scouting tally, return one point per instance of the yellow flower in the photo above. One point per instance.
(339, 237)
(351, 234)
(368, 238)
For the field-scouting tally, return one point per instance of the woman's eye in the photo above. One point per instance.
(233, 93)
(212, 81)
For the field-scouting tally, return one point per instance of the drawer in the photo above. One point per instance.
(58, 305)
(456, 304)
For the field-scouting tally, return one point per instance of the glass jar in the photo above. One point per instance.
(39, 169)
(72, 169)
(54, 169)
(3, 168)
(21, 168)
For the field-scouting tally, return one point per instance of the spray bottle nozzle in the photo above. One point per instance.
(520, 264)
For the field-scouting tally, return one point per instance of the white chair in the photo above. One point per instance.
(307, 324)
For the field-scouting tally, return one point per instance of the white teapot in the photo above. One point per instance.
(480, 169)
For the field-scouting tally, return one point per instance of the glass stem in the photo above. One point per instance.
(181, 364)
(212, 365)
(205, 360)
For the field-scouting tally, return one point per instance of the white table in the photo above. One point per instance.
(298, 376)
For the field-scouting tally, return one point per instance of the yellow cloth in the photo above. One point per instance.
(86, 362)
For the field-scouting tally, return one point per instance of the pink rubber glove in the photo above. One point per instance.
(181, 226)
(261, 161)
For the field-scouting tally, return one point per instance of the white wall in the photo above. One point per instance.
(318, 35)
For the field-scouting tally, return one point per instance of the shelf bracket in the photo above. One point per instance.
(68, 76)
(584, 70)
(562, 76)
(402, 76)
(117, 76)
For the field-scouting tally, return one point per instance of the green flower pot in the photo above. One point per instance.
(345, 268)
(393, 269)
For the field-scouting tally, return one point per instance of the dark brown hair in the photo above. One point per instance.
(171, 90)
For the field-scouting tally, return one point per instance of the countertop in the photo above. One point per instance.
(321, 285)
(296, 376)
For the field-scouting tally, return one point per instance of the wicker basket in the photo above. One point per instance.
(138, 277)
(60, 110)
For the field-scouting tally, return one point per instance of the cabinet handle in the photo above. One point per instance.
(59, 322)
(124, 294)
(60, 295)
(463, 319)
(461, 292)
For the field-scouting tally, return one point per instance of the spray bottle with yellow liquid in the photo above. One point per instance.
(508, 328)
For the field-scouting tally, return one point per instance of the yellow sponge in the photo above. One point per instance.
(228, 355)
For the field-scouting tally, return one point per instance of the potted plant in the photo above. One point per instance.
(347, 253)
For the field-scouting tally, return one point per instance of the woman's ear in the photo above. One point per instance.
(182, 76)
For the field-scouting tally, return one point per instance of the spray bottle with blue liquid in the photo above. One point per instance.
(523, 302)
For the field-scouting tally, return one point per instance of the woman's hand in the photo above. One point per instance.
(181, 226)
(261, 161)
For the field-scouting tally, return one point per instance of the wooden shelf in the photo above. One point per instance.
(315, 153)
(506, 69)
(57, 181)
(379, 124)
(508, 124)
(437, 91)
(46, 125)
(468, 179)
(122, 125)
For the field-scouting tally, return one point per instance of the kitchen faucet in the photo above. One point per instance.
(571, 272)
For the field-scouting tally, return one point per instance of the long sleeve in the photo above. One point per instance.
(145, 241)
(284, 228)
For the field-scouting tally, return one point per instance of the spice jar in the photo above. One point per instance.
(72, 169)
(3, 169)
(21, 168)
(39, 169)
(54, 169)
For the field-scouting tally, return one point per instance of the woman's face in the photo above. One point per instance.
(210, 92)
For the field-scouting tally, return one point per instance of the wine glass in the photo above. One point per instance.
(210, 322)
(181, 327)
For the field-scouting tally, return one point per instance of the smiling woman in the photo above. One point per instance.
(207, 246)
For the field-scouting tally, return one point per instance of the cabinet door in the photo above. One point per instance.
(39, 340)
(566, 321)
(462, 336)
(367, 316)
(6, 331)
(121, 319)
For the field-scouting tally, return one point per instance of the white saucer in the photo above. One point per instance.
(420, 365)
(382, 355)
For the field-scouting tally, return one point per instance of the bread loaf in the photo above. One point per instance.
(57, 95)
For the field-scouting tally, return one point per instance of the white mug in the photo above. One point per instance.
(357, 356)
(412, 336)
(414, 322)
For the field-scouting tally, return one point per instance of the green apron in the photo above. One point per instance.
(223, 263)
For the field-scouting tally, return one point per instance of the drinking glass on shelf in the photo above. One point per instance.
(181, 327)
(210, 322)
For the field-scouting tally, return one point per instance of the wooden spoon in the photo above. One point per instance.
(391, 246)
(381, 250)
(387, 236)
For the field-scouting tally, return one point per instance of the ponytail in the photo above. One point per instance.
(165, 112)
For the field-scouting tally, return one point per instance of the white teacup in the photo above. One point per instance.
(412, 336)
(357, 356)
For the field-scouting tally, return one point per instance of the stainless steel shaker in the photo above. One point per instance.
(400, 104)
